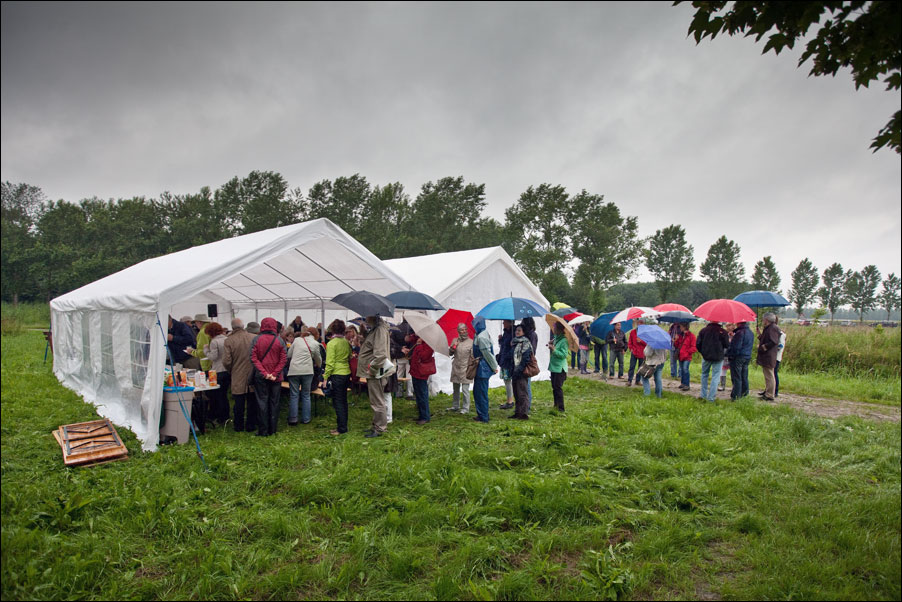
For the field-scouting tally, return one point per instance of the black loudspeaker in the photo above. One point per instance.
(211, 310)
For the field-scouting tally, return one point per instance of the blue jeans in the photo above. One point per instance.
(421, 393)
(481, 398)
(739, 373)
(299, 383)
(714, 369)
(674, 363)
(529, 394)
(659, 386)
(635, 362)
(684, 372)
(583, 359)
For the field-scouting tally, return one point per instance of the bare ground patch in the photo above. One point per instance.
(826, 408)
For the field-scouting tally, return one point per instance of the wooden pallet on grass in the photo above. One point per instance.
(91, 442)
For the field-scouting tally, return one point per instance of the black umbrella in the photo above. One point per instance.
(414, 300)
(366, 303)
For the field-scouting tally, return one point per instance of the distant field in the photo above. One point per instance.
(624, 497)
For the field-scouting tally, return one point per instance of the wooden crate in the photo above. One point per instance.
(90, 443)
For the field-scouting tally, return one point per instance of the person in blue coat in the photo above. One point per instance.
(483, 351)
(740, 354)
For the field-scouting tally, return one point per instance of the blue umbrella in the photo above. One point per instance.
(761, 299)
(511, 308)
(654, 337)
(602, 325)
(414, 300)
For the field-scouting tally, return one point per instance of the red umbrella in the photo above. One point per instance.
(569, 317)
(672, 307)
(725, 310)
(451, 318)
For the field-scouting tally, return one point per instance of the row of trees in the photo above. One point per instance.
(669, 258)
(576, 247)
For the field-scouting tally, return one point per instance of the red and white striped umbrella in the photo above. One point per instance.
(634, 313)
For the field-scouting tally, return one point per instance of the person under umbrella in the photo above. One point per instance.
(505, 361)
(740, 354)
(616, 340)
(483, 352)
(522, 352)
(461, 350)
(557, 364)
(422, 366)
(529, 331)
(374, 352)
(637, 353)
(712, 343)
(768, 347)
(685, 349)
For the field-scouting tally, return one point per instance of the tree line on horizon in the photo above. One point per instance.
(576, 247)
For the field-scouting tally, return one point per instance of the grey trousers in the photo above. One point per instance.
(377, 402)
(461, 390)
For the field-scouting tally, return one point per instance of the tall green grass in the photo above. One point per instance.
(623, 497)
(858, 352)
(16, 318)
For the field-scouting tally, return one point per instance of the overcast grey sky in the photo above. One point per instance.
(134, 99)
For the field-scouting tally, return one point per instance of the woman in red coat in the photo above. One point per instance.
(422, 366)
(685, 347)
(637, 353)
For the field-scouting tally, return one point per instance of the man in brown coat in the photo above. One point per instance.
(374, 351)
(768, 345)
(237, 361)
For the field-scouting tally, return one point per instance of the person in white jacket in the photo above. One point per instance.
(303, 356)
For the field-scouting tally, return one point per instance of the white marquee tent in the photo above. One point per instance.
(109, 342)
(469, 280)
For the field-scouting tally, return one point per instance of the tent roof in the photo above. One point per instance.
(301, 264)
(441, 274)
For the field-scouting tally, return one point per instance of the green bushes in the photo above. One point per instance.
(16, 318)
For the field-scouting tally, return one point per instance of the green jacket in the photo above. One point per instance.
(203, 339)
(559, 355)
(338, 355)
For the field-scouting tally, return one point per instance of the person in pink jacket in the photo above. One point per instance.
(268, 355)
(422, 366)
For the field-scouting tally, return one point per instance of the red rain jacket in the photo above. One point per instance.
(686, 346)
(422, 361)
(636, 345)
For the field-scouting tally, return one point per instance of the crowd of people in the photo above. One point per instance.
(252, 362)
(724, 348)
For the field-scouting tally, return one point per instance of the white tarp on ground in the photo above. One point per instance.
(109, 348)
(470, 280)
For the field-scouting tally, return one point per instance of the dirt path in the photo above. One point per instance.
(827, 408)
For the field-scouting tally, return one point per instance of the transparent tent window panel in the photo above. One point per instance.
(139, 344)
(86, 339)
(106, 344)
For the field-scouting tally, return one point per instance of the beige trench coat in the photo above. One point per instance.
(460, 361)
(237, 359)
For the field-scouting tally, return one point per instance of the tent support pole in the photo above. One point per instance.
(322, 312)
(285, 313)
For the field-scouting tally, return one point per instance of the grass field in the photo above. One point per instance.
(624, 497)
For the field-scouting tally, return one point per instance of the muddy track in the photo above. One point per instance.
(827, 408)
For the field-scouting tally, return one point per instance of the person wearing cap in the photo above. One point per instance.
(189, 322)
(253, 327)
(203, 339)
(374, 351)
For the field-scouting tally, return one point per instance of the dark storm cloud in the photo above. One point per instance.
(122, 100)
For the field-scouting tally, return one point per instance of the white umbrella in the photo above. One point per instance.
(431, 333)
(634, 313)
(580, 320)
